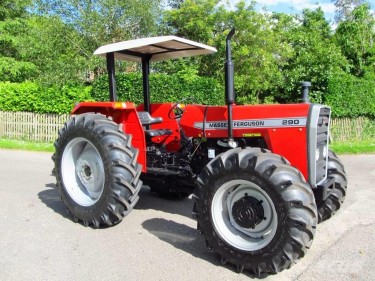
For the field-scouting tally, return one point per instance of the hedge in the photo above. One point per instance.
(31, 97)
(350, 96)
(163, 88)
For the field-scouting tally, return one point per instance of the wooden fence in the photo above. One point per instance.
(356, 129)
(44, 127)
(30, 126)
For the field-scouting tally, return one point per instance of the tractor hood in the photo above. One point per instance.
(155, 48)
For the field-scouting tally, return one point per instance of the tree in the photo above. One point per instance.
(344, 8)
(356, 35)
(315, 56)
(258, 52)
(77, 27)
(105, 21)
(10, 9)
(198, 20)
(12, 26)
(57, 49)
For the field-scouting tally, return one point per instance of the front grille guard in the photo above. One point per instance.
(318, 142)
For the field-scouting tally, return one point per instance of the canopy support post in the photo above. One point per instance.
(146, 83)
(111, 76)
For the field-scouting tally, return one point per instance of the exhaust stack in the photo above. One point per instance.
(229, 87)
(305, 87)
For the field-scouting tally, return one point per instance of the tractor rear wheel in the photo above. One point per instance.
(255, 210)
(96, 170)
(328, 207)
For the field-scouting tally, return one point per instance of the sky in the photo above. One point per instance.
(296, 6)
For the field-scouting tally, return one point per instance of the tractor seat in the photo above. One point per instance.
(146, 119)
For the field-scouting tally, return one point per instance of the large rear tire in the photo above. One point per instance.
(255, 210)
(328, 207)
(96, 170)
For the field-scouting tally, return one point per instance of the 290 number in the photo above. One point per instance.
(290, 122)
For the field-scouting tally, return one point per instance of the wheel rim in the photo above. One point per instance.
(82, 172)
(244, 215)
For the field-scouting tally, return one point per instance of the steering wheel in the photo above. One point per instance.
(177, 110)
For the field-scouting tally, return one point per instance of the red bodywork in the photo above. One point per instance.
(283, 127)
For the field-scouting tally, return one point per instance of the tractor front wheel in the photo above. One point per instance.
(255, 210)
(328, 207)
(96, 170)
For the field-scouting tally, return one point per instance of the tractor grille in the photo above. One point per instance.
(322, 144)
(318, 143)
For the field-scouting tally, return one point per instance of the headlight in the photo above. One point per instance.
(325, 152)
(317, 154)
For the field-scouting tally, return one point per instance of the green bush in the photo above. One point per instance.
(350, 96)
(163, 88)
(16, 71)
(31, 97)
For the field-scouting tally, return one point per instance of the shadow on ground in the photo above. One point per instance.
(181, 237)
(176, 234)
(186, 239)
(51, 198)
(148, 200)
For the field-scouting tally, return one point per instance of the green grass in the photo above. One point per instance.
(354, 147)
(26, 145)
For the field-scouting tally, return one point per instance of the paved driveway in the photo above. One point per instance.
(158, 240)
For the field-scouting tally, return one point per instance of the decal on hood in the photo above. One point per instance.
(253, 123)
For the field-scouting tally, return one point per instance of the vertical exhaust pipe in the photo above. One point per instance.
(305, 87)
(229, 87)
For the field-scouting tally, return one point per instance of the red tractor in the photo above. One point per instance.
(262, 176)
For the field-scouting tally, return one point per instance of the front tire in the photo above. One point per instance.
(96, 170)
(255, 210)
(328, 207)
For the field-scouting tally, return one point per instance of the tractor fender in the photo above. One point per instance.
(123, 113)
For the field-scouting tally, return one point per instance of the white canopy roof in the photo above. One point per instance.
(159, 48)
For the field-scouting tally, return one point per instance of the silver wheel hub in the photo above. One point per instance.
(83, 172)
(244, 215)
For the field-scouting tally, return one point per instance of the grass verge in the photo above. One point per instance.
(354, 147)
(26, 145)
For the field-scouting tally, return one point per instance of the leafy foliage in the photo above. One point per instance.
(105, 21)
(60, 59)
(258, 52)
(351, 96)
(163, 88)
(315, 57)
(344, 8)
(29, 96)
(13, 8)
(16, 71)
(47, 46)
(356, 37)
